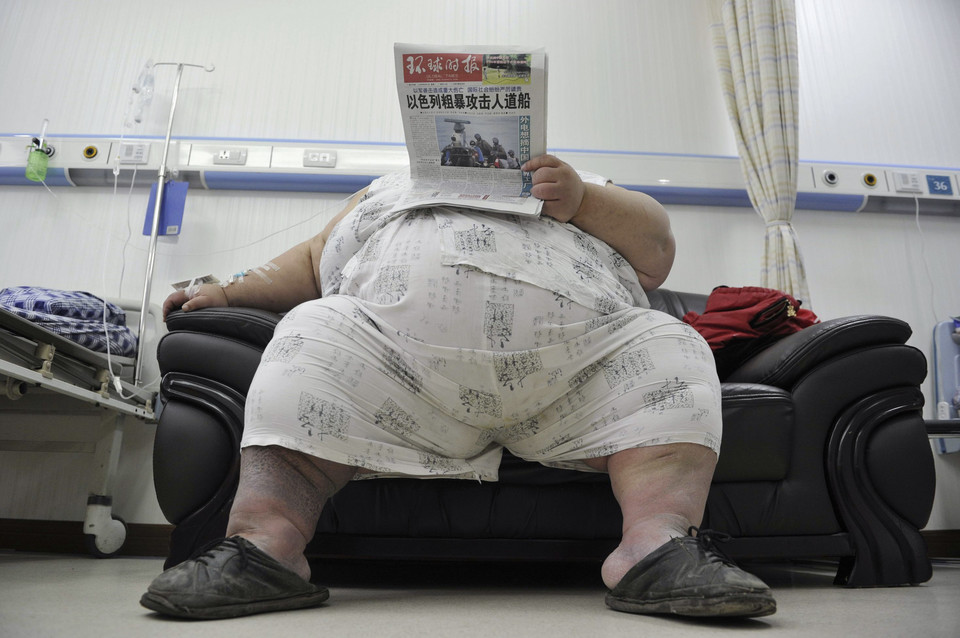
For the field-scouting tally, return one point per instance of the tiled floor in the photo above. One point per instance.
(75, 596)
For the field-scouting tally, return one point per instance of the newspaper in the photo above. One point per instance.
(471, 117)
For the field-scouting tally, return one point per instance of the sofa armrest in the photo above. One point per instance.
(251, 325)
(785, 361)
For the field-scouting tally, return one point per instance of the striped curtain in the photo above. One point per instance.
(755, 45)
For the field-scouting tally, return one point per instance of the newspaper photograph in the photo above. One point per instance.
(471, 117)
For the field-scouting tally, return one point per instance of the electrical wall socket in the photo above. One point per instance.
(232, 156)
(314, 157)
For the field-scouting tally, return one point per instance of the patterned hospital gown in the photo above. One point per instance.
(444, 335)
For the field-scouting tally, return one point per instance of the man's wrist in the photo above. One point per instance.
(585, 209)
(223, 291)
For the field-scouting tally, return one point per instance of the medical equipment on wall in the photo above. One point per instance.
(158, 204)
(39, 157)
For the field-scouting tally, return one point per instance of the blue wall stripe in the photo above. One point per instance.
(695, 196)
(16, 176)
(740, 199)
(830, 201)
(297, 182)
(333, 183)
(299, 141)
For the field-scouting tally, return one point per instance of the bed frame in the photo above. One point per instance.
(31, 356)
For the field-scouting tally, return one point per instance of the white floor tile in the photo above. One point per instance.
(79, 597)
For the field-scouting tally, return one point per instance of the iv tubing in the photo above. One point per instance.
(43, 134)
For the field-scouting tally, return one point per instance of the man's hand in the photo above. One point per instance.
(208, 296)
(557, 184)
(632, 223)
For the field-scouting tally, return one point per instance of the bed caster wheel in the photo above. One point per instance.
(108, 538)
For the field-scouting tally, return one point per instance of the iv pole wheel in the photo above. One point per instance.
(106, 539)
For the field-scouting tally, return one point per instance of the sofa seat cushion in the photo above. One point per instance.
(458, 508)
(516, 471)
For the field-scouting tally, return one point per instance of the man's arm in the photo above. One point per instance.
(632, 223)
(295, 280)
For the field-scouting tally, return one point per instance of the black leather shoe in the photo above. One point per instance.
(688, 576)
(232, 578)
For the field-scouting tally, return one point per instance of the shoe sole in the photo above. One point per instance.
(161, 605)
(732, 606)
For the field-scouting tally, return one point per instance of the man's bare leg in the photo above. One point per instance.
(662, 491)
(261, 566)
(658, 568)
(279, 499)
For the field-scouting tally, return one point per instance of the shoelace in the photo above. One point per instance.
(206, 552)
(708, 539)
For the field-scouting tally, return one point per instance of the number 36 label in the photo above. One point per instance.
(939, 185)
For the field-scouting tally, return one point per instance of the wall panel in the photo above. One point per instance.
(878, 85)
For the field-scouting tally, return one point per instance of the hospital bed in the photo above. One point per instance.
(945, 429)
(34, 357)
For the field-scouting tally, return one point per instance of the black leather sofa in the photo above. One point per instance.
(824, 455)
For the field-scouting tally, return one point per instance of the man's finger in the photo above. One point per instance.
(546, 174)
(539, 162)
(547, 191)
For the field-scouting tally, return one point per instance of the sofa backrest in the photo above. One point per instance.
(677, 304)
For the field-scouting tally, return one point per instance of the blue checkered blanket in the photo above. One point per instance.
(75, 315)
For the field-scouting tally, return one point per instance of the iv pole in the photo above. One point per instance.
(155, 227)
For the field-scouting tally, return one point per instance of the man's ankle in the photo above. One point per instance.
(289, 557)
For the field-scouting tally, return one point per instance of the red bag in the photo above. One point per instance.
(739, 322)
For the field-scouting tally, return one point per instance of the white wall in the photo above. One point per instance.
(877, 86)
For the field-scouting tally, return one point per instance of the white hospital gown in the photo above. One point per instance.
(446, 334)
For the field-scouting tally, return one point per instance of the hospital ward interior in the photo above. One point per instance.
(805, 152)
